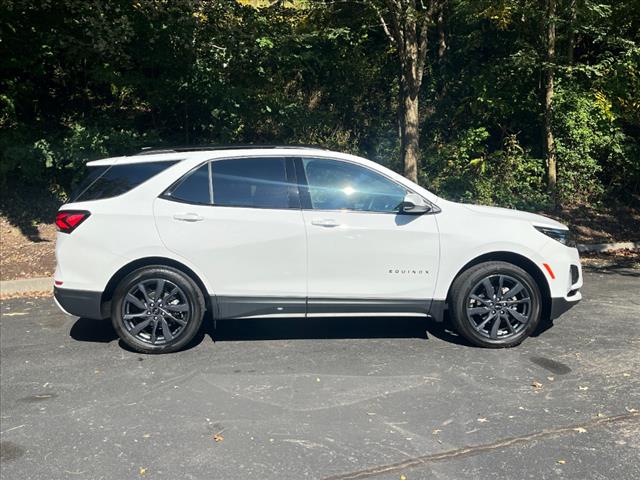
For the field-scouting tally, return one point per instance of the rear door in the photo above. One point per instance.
(239, 221)
(363, 254)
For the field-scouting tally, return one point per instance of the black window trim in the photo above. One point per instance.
(294, 193)
(305, 197)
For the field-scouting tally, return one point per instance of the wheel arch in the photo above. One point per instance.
(519, 260)
(107, 294)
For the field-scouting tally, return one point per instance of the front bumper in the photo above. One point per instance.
(560, 305)
(80, 303)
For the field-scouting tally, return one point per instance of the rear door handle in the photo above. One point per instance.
(325, 222)
(188, 217)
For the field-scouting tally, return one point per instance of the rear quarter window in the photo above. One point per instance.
(106, 182)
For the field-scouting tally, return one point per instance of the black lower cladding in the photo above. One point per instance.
(559, 306)
(80, 303)
(244, 307)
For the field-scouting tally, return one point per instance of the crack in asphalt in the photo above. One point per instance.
(477, 449)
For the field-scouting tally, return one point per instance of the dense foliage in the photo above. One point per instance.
(91, 78)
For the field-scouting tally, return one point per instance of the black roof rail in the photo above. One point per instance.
(199, 148)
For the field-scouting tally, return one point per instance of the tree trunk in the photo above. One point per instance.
(411, 78)
(571, 36)
(411, 136)
(548, 101)
(402, 95)
(442, 40)
(406, 26)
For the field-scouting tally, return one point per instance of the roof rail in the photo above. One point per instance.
(198, 148)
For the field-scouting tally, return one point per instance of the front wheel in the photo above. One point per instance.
(495, 304)
(157, 309)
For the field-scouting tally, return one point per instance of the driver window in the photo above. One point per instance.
(337, 185)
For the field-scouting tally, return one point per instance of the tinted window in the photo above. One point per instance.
(336, 185)
(119, 179)
(194, 187)
(250, 182)
(92, 173)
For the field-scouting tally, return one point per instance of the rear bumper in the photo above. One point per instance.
(560, 305)
(80, 303)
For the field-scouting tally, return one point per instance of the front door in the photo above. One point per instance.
(239, 221)
(363, 254)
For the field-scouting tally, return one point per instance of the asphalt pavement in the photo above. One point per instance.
(339, 398)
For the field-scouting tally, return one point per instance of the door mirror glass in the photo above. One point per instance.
(414, 203)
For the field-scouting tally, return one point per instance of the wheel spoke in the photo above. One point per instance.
(154, 334)
(479, 299)
(516, 302)
(171, 294)
(488, 287)
(175, 319)
(131, 316)
(484, 322)
(159, 288)
(144, 292)
(478, 310)
(500, 285)
(514, 291)
(140, 326)
(136, 301)
(509, 326)
(518, 316)
(496, 327)
(166, 331)
(177, 308)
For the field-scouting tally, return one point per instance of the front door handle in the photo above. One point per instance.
(325, 222)
(188, 217)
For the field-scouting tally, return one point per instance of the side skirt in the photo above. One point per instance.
(251, 307)
(230, 307)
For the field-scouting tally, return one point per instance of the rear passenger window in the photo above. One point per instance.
(117, 179)
(194, 187)
(251, 182)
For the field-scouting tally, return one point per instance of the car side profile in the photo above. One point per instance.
(154, 240)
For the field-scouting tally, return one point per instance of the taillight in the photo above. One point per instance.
(68, 220)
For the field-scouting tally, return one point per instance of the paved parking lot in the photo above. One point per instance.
(340, 398)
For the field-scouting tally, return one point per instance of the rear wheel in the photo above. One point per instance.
(495, 304)
(157, 309)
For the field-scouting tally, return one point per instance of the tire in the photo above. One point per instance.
(500, 322)
(151, 325)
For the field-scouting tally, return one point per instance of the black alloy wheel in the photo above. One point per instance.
(495, 304)
(157, 309)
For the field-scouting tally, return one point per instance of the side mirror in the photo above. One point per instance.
(414, 203)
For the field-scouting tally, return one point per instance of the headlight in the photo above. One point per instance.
(562, 236)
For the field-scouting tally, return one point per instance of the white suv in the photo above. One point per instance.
(154, 240)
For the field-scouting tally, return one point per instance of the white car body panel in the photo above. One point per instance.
(371, 255)
(244, 251)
